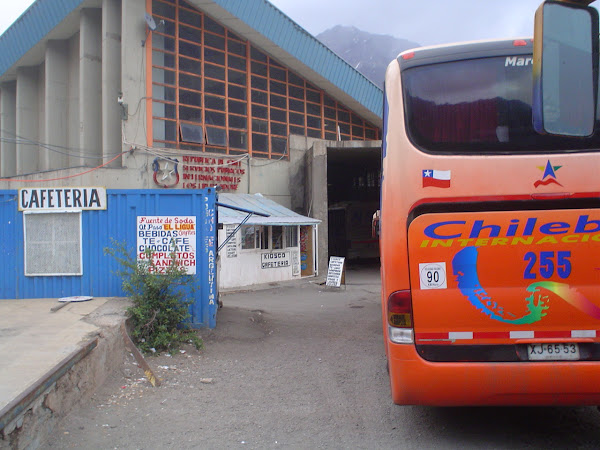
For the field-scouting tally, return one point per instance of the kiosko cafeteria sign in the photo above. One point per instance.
(62, 198)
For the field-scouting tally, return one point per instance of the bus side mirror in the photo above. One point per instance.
(565, 69)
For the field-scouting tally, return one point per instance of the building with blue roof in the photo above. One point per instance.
(161, 94)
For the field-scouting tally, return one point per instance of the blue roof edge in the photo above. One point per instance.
(31, 27)
(272, 23)
(277, 213)
(44, 15)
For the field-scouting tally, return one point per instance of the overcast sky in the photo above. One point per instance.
(425, 22)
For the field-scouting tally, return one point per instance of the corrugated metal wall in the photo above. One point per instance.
(99, 228)
(12, 233)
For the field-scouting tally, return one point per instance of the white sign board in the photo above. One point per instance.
(231, 248)
(274, 260)
(62, 198)
(164, 235)
(433, 275)
(295, 263)
(335, 271)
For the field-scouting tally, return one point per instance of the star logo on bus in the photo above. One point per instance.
(549, 175)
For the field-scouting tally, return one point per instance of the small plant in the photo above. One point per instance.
(160, 310)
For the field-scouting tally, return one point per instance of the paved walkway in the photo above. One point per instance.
(33, 340)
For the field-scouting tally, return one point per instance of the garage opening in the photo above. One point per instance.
(353, 185)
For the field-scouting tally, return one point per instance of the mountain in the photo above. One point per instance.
(369, 53)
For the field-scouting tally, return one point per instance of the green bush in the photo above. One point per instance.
(160, 310)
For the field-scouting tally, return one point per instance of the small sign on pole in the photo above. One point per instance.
(336, 271)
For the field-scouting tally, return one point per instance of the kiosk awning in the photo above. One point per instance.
(278, 215)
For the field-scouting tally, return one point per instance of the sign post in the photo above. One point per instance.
(336, 272)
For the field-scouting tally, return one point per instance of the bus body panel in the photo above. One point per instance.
(495, 277)
(421, 189)
(415, 381)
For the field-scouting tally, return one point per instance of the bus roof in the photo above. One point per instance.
(465, 50)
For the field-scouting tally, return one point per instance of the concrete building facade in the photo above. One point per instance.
(161, 94)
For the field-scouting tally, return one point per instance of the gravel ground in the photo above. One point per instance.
(297, 366)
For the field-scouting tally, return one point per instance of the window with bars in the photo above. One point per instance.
(214, 91)
(52, 244)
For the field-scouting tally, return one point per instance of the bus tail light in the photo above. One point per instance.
(399, 312)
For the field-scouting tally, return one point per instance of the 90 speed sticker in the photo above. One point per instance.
(433, 275)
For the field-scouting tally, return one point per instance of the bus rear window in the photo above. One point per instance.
(478, 106)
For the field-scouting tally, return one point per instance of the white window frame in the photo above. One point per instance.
(261, 234)
(282, 247)
(243, 238)
(264, 234)
(291, 230)
(60, 274)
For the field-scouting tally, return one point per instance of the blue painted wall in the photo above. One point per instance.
(118, 222)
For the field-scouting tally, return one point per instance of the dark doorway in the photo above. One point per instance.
(353, 185)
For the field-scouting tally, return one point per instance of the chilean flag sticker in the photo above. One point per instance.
(436, 178)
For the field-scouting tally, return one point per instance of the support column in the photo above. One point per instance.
(111, 80)
(27, 123)
(56, 116)
(134, 69)
(8, 127)
(316, 165)
(73, 121)
(41, 122)
(90, 85)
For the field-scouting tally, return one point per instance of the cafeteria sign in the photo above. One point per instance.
(62, 198)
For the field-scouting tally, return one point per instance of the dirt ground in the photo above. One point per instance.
(298, 366)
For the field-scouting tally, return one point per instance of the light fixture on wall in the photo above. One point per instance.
(151, 26)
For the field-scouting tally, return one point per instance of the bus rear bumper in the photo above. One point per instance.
(415, 381)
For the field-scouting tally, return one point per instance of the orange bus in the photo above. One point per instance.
(489, 236)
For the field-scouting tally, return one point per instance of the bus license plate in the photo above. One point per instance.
(553, 352)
